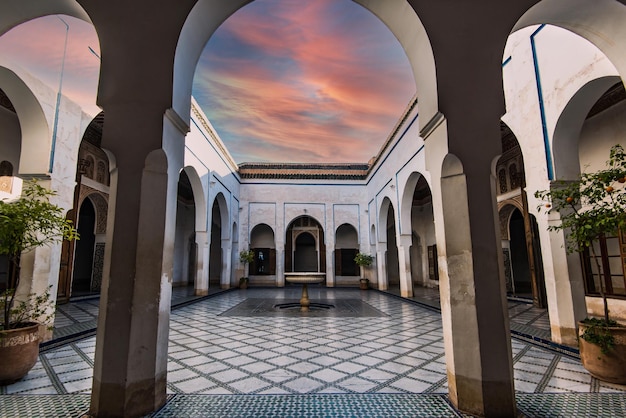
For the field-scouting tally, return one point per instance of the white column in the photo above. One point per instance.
(381, 268)
(330, 265)
(404, 262)
(226, 265)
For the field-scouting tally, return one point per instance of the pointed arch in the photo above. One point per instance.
(199, 197)
(222, 204)
(15, 12)
(601, 22)
(570, 123)
(207, 15)
(382, 219)
(35, 133)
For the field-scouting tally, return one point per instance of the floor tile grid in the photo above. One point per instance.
(68, 370)
(338, 359)
(533, 360)
(80, 311)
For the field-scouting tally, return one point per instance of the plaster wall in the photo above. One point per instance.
(292, 199)
(10, 138)
(72, 121)
(549, 84)
(599, 134)
(206, 153)
(564, 63)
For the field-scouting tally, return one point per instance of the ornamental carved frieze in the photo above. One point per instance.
(100, 203)
(505, 209)
(93, 163)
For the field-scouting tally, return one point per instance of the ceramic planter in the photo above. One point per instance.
(19, 349)
(609, 367)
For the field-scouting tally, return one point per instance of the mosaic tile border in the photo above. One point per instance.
(565, 405)
(331, 405)
(328, 406)
(57, 406)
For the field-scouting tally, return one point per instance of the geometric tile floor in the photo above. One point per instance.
(350, 362)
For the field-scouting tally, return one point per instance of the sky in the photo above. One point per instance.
(281, 80)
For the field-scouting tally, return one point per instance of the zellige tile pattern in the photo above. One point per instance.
(367, 366)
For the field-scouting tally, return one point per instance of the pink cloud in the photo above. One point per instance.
(314, 86)
(313, 81)
(37, 47)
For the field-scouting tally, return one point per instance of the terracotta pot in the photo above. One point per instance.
(19, 349)
(609, 367)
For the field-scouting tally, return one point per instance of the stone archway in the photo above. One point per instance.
(33, 151)
(389, 267)
(423, 252)
(305, 248)
(185, 246)
(262, 241)
(207, 15)
(346, 248)
(83, 253)
(215, 247)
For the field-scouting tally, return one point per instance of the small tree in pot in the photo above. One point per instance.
(363, 261)
(592, 208)
(26, 223)
(245, 257)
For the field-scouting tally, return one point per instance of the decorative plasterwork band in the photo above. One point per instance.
(432, 125)
(217, 142)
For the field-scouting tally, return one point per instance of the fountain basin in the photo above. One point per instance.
(305, 278)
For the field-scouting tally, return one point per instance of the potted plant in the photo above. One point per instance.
(26, 223)
(591, 208)
(363, 261)
(245, 257)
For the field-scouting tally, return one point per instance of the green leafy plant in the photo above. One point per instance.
(598, 332)
(24, 312)
(591, 208)
(246, 256)
(363, 260)
(27, 223)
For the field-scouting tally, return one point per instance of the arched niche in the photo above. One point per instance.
(346, 248)
(263, 244)
(305, 246)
